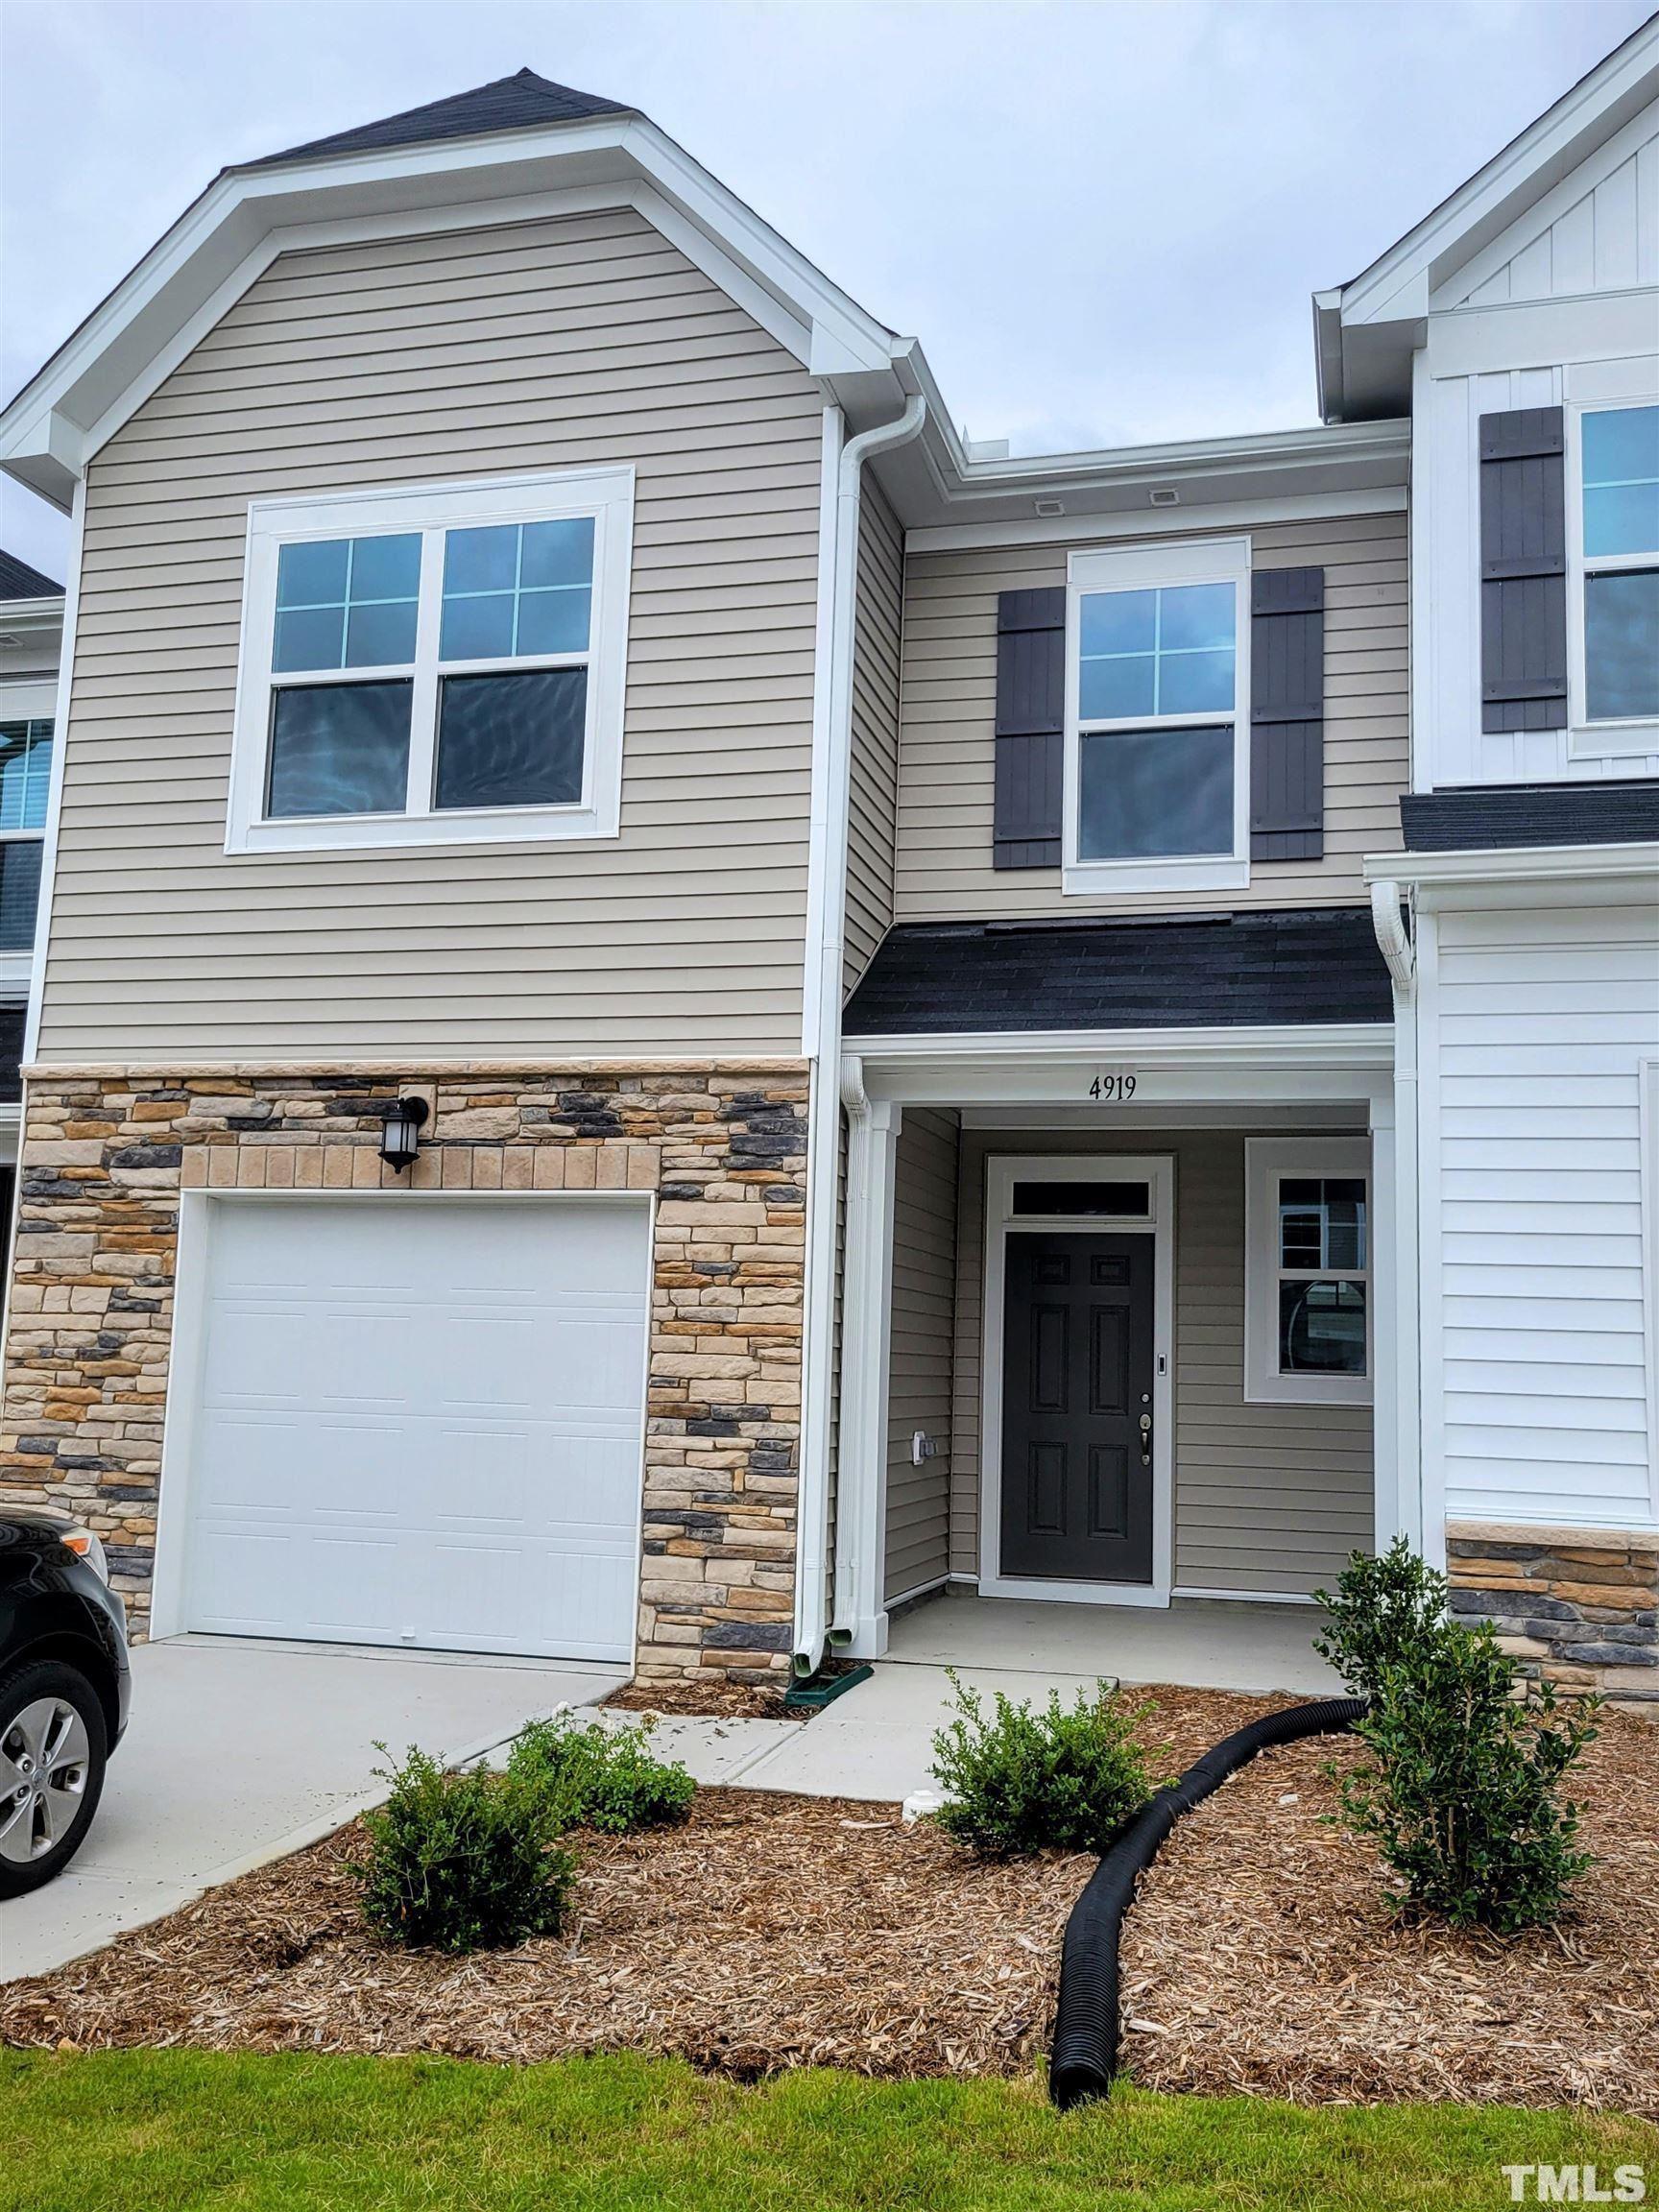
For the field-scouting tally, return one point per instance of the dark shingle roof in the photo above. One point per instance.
(507, 104)
(939, 978)
(18, 580)
(1491, 816)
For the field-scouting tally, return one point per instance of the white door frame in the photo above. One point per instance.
(169, 1609)
(1002, 1171)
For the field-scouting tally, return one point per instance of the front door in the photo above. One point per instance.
(1077, 1406)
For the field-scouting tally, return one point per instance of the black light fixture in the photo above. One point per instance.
(400, 1131)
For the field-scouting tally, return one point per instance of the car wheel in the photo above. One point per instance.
(53, 1744)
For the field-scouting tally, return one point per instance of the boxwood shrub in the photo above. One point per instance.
(1025, 1779)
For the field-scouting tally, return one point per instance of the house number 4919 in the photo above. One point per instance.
(1112, 1090)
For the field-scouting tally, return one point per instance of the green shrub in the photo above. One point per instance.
(1464, 1801)
(464, 1860)
(1027, 1781)
(603, 1778)
(1386, 1612)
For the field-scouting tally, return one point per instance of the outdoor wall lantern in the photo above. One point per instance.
(400, 1131)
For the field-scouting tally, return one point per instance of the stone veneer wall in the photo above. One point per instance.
(1575, 1604)
(105, 1151)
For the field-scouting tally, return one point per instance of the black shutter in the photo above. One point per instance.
(1030, 722)
(1287, 714)
(1523, 570)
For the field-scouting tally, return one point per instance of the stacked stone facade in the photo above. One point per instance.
(722, 1146)
(1573, 1604)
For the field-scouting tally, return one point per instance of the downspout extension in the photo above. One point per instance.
(823, 1025)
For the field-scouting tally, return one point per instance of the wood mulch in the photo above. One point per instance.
(772, 1932)
(717, 1700)
(1263, 1954)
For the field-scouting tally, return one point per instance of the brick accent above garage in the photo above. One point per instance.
(106, 1152)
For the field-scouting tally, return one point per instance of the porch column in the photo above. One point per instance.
(859, 1614)
(1398, 1503)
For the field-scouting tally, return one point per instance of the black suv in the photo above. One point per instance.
(63, 1684)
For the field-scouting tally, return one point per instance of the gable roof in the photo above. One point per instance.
(517, 102)
(1367, 329)
(18, 580)
(520, 142)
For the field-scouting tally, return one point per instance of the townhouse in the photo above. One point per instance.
(679, 1012)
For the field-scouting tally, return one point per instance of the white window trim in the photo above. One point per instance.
(1648, 1125)
(1637, 734)
(1143, 569)
(1266, 1160)
(29, 699)
(605, 493)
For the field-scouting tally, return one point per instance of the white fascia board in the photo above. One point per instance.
(1520, 864)
(1155, 521)
(1294, 1044)
(193, 275)
(1496, 194)
(1356, 467)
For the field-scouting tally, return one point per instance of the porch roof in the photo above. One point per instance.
(1174, 971)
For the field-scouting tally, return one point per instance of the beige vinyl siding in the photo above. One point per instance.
(1267, 1497)
(947, 748)
(581, 340)
(871, 827)
(922, 1322)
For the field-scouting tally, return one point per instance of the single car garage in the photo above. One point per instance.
(408, 1418)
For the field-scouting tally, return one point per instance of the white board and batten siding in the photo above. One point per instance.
(1562, 308)
(1540, 1019)
(515, 348)
(948, 754)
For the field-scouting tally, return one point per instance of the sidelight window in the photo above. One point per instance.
(1308, 1267)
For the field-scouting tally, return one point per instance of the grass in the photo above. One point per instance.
(174, 2131)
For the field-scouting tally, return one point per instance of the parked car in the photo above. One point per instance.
(63, 1690)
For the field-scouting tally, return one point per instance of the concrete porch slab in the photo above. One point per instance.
(1200, 1643)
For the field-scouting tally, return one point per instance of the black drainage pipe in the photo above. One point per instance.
(1085, 2054)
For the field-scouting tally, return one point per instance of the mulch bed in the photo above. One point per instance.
(770, 1931)
(1261, 1955)
(715, 1700)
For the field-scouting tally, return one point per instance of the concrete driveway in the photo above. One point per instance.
(240, 1751)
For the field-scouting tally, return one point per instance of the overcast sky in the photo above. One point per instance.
(1102, 219)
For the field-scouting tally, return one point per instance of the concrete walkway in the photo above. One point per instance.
(876, 1740)
(239, 1752)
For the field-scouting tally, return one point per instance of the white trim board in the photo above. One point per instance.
(1001, 1171)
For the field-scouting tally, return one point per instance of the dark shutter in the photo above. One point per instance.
(1030, 722)
(1287, 714)
(1523, 570)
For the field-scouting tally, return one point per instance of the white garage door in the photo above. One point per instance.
(418, 1423)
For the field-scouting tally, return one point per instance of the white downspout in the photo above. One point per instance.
(825, 954)
(1395, 943)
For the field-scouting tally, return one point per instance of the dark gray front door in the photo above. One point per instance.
(1076, 1391)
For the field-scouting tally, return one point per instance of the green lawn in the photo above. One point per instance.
(170, 2130)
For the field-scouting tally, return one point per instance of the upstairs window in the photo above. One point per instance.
(1307, 1318)
(1156, 767)
(434, 665)
(25, 781)
(1618, 584)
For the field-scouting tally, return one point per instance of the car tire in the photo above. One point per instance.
(53, 1747)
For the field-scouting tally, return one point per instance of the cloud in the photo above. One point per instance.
(1102, 221)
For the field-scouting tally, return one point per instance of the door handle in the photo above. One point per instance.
(1146, 1438)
